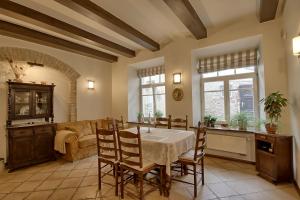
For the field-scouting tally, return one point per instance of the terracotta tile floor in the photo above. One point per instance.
(57, 180)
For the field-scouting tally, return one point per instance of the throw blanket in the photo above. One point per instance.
(61, 138)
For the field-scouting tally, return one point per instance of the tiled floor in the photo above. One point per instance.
(57, 180)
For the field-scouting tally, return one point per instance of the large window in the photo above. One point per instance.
(153, 95)
(229, 92)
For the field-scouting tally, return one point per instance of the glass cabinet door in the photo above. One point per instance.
(41, 103)
(22, 103)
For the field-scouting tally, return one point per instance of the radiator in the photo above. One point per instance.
(228, 143)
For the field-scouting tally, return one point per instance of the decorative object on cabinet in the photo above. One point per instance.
(19, 71)
(177, 94)
(29, 101)
(274, 157)
(273, 105)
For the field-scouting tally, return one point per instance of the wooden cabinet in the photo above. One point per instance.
(274, 157)
(29, 145)
(29, 101)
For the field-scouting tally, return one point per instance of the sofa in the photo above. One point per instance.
(81, 139)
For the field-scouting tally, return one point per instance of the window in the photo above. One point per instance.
(153, 95)
(229, 92)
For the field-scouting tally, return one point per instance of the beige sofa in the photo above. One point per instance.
(81, 142)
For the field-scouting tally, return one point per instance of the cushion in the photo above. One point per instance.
(146, 165)
(189, 157)
(88, 140)
(82, 128)
(95, 123)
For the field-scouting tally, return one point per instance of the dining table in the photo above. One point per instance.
(164, 146)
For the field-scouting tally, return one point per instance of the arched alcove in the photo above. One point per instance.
(28, 55)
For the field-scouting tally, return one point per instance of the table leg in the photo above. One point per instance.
(166, 182)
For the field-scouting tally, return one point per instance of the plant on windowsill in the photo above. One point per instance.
(140, 116)
(273, 105)
(158, 114)
(210, 121)
(240, 120)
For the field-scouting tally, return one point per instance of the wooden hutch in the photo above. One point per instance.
(30, 142)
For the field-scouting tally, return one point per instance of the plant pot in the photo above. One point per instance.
(271, 128)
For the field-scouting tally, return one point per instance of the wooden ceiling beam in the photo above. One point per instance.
(20, 32)
(101, 16)
(267, 10)
(188, 16)
(31, 16)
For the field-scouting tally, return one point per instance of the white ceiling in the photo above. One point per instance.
(151, 17)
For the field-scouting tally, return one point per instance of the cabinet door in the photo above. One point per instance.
(41, 103)
(21, 104)
(266, 164)
(43, 143)
(20, 147)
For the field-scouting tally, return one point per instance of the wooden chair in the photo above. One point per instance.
(163, 122)
(180, 123)
(108, 123)
(193, 158)
(108, 154)
(131, 159)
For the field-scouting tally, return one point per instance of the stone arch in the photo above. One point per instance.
(28, 55)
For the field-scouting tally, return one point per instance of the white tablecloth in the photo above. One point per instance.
(163, 146)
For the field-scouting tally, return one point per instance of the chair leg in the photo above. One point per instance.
(122, 183)
(116, 179)
(141, 177)
(181, 169)
(195, 180)
(99, 175)
(160, 181)
(202, 170)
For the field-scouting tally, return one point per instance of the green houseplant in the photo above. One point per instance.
(158, 114)
(140, 116)
(240, 120)
(210, 121)
(273, 105)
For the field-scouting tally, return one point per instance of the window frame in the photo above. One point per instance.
(152, 86)
(226, 80)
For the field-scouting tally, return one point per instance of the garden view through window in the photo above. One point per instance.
(153, 95)
(229, 92)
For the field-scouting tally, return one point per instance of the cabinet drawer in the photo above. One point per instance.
(43, 130)
(21, 132)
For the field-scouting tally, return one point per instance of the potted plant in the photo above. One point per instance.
(240, 120)
(209, 121)
(158, 114)
(140, 116)
(273, 105)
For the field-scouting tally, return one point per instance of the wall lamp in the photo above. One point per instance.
(177, 78)
(91, 85)
(296, 46)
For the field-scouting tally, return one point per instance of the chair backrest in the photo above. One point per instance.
(200, 142)
(118, 122)
(163, 122)
(180, 123)
(130, 148)
(107, 144)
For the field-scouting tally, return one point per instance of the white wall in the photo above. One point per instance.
(291, 26)
(178, 58)
(91, 104)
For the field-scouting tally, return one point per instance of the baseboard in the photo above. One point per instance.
(297, 187)
(231, 159)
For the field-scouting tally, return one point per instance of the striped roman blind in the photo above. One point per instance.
(240, 59)
(150, 71)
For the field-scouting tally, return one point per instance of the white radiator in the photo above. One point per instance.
(228, 143)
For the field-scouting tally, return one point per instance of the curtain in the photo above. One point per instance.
(150, 71)
(240, 59)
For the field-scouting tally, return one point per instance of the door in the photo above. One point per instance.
(41, 103)
(21, 104)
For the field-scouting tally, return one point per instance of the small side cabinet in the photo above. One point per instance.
(28, 145)
(274, 157)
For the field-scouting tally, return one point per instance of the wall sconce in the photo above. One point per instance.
(296, 46)
(91, 85)
(177, 78)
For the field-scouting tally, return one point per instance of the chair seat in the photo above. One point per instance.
(189, 157)
(146, 165)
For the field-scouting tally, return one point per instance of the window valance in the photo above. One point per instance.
(150, 71)
(240, 59)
